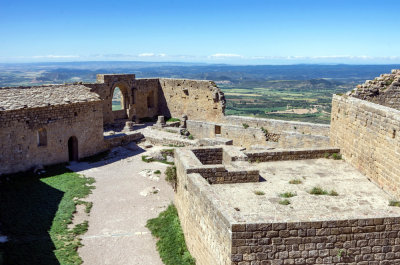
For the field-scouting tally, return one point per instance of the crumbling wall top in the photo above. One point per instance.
(383, 90)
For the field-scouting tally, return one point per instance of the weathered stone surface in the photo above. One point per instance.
(14, 98)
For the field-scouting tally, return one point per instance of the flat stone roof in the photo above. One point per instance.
(13, 98)
(358, 197)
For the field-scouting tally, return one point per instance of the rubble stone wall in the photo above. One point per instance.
(368, 137)
(383, 90)
(19, 147)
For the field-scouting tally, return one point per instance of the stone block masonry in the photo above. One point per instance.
(359, 241)
(293, 154)
(368, 137)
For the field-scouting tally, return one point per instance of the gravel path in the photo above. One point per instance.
(127, 194)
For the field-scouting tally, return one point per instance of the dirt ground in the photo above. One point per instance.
(127, 194)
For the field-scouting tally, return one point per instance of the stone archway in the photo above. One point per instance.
(73, 154)
(119, 101)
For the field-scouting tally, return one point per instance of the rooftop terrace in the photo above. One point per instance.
(358, 198)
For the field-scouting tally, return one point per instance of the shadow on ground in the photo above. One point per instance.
(27, 210)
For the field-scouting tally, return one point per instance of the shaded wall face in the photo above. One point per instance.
(368, 137)
(19, 148)
(146, 98)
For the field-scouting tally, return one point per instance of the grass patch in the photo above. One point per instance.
(80, 229)
(318, 191)
(35, 213)
(171, 242)
(245, 125)
(287, 195)
(259, 192)
(170, 176)
(284, 202)
(191, 137)
(334, 156)
(149, 159)
(394, 203)
(173, 120)
(321, 191)
(158, 172)
(295, 181)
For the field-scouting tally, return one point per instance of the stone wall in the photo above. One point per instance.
(295, 154)
(208, 156)
(303, 137)
(279, 126)
(121, 139)
(105, 86)
(364, 242)
(19, 130)
(198, 99)
(368, 137)
(383, 90)
(207, 232)
(147, 98)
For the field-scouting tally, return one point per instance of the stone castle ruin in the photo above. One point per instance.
(249, 191)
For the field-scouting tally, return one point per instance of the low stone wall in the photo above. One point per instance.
(279, 126)
(364, 241)
(220, 175)
(170, 141)
(208, 156)
(299, 154)
(244, 136)
(121, 139)
(368, 137)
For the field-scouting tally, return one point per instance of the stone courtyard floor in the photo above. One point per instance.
(127, 194)
(357, 198)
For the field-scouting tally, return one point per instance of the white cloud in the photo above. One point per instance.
(54, 56)
(151, 54)
(226, 55)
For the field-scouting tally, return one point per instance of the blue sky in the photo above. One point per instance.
(238, 32)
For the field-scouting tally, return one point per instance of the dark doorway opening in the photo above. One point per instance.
(73, 149)
(217, 129)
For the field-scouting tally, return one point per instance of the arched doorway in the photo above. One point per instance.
(119, 102)
(73, 149)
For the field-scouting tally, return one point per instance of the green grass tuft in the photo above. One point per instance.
(191, 137)
(284, 202)
(171, 242)
(318, 191)
(259, 192)
(394, 203)
(173, 120)
(245, 125)
(287, 195)
(158, 172)
(295, 181)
